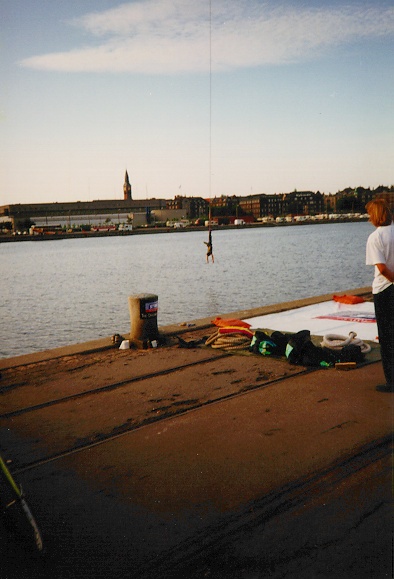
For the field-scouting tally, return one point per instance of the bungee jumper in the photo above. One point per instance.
(209, 247)
(209, 242)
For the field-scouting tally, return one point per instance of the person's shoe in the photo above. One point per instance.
(385, 388)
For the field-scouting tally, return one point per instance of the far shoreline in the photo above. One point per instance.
(11, 238)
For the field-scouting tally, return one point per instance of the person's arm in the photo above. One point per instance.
(384, 270)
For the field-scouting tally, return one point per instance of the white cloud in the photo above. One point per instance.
(162, 37)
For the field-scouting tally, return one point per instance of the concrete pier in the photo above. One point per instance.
(193, 462)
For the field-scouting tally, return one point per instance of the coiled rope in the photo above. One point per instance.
(229, 341)
(337, 342)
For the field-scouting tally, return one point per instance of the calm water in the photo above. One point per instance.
(66, 291)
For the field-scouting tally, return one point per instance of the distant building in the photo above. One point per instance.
(304, 203)
(151, 211)
(78, 213)
(225, 205)
(296, 203)
(126, 188)
(192, 207)
(75, 214)
(253, 205)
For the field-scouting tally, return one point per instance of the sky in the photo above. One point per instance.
(207, 98)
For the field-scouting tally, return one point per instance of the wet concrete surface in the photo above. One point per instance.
(196, 463)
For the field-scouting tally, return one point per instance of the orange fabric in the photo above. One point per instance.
(348, 299)
(232, 323)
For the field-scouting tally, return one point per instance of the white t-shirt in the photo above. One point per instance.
(380, 249)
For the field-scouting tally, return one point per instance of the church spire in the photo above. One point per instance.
(126, 188)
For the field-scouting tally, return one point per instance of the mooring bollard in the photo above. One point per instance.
(143, 320)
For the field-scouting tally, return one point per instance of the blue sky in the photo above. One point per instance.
(202, 98)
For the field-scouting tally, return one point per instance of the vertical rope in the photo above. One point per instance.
(210, 112)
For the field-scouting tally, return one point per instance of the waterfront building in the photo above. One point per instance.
(279, 205)
(75, 214)
(304, 202)
(312, 203)
(191, 207)
(226, 205)
(252, 205)
(78, 213)
(154, 211)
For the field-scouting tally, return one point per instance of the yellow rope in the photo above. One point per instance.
(230, 341)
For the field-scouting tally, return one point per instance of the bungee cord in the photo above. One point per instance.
(228, 341)
(209, 244)
(337, 342)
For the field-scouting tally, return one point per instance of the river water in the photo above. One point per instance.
(61, 292)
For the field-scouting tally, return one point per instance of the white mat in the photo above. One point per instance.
(324, 318)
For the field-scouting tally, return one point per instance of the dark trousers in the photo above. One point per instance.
(384, 311)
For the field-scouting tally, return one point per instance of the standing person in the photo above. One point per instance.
(380, 253)
(209, 247)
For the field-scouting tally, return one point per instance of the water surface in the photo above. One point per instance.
(60, 292)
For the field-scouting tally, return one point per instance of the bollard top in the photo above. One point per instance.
(152, 297)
